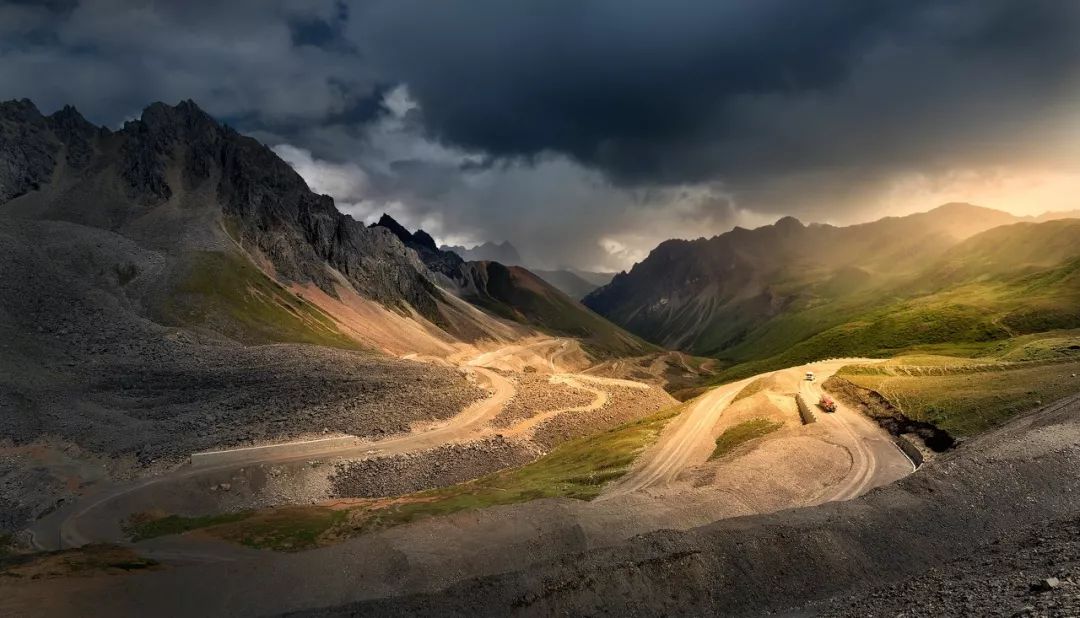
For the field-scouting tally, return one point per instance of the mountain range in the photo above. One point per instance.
(502, 252)
(516, 294)
(573, 282)
(956, 273)
(241, 247)
(210, 230)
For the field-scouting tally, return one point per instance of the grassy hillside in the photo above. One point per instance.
(996, 286)
(226, 292)
(965, 396)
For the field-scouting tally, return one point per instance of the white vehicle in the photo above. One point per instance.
(809, 376)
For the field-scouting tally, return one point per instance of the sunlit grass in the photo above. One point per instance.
(971, 395)
(740, 434)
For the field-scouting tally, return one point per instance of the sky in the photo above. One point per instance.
(586, 132)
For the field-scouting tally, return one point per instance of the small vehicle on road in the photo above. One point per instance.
(809, 376)
(827, 404)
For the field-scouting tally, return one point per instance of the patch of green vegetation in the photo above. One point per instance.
(577, 469)
(85, 561)
(1056, 345)
(285, 529)
(226, 291)
(142, 527)
(751, 389)
(968, 321)
(970, 396)
(740, 434)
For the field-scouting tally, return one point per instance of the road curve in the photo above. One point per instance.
(88, 522)
(875, 459)
(674, 450)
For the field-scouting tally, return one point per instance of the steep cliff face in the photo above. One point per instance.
(177, 180)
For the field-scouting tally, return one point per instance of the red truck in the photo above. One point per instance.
(827, 404)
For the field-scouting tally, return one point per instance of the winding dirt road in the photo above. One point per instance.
(875, 459)
(95, 518)
(678, 445)
(684, 444)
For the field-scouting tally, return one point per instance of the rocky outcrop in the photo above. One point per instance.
(27, 149)
(175, 151)
(445, 263)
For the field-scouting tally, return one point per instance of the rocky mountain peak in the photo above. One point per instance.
(788, 223)
(22, 110)
(424, 239)
(396, 228)
(180, 150)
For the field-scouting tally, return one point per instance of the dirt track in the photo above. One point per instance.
(98, 517)
(874, 460)
(441, 551)
(90, 520)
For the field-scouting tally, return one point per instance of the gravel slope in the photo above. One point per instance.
(79, 363)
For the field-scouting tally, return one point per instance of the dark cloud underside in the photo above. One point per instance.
(585, 132)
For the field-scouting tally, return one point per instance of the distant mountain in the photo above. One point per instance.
(1054, 216)
(751, 294)
(575, 283)
(515, 293)
(503, 252)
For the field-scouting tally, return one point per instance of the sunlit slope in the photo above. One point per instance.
(1003, 283)
(753, 294)
(224, 292)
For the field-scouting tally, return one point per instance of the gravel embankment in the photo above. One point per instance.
(80, 362)
(438, 467)
(1018, 485)
(536, 395)
(1036, 574)
(624, 404)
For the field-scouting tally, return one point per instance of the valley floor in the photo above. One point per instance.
(674, 484)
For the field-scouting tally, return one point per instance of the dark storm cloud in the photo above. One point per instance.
(253, 60)
(587, 131)
(662, 91)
